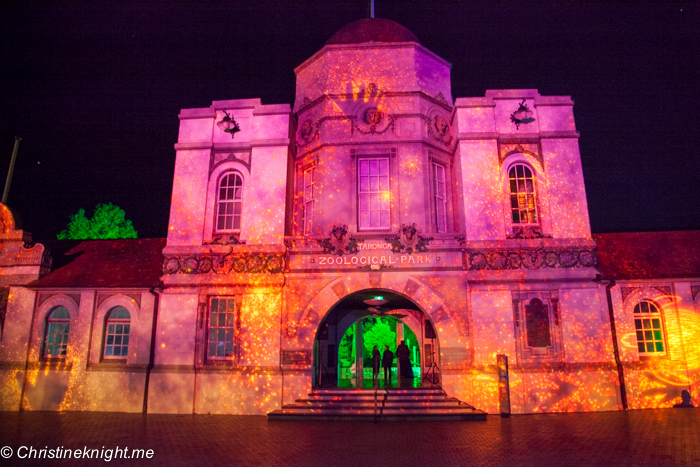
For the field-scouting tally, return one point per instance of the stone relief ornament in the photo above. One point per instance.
(225, 240)
(308, 131)
(530, 258)
(521, 233)
(339, 242)
(438, 128)
(409, 240)
(441, 125)
(441, 97)
(224, 263)
(372, 116)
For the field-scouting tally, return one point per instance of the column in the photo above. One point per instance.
(359, 370)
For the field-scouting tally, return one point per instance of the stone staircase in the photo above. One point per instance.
(415, 404)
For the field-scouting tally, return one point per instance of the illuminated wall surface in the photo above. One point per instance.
(375, 182)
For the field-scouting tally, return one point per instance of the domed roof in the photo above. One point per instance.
(372, 30)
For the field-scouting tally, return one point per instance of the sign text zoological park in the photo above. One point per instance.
(339, 249)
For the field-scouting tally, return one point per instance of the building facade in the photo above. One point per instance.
(466, 223)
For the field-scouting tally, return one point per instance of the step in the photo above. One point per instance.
(277, 415)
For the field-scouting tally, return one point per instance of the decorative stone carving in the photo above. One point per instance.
(409, 240)
(225, 263)
(625, 291)
(530, 258)
(438, 128)
(527, 232)
(339, 242)
(372, 116)
(225, 240)
(309, 131)
(441, 98)
(369, 116)
(664, 289)
(508, 149)
(695, 290)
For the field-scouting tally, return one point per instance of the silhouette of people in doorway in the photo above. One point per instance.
(387, 361)
(403, 355)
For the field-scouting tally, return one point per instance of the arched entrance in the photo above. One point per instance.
(347, 333)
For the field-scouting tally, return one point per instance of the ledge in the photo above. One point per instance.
(477, 136)
(194, 145)
(186, 114)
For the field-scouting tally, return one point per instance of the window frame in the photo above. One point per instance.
(439, 199)
(307, 220)
(45, 340)
(360, 193)
(218, 202)
(662, 330)
(116, 322)
(535, 194)
(529, 354)
(234, 326)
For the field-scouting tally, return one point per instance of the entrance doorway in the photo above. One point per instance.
(350, 330)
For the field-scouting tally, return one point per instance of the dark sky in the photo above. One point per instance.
(94, 90)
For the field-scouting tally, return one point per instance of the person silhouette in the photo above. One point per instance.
(376, 359)
(685, 398)
(403, 354)
(387, 361)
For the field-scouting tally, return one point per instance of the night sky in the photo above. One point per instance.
(94, 91)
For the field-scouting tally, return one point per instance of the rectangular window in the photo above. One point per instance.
(374, 196)
(221, 328)
(440, 198)
(309, 197)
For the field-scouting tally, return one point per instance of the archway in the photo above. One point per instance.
(347, 333)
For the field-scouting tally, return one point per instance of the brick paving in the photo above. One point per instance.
(634, 438)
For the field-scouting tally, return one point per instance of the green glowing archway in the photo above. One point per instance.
(344, 358)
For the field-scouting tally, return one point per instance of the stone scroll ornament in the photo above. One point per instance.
(225, 263)
(530, 258)
(339, 242)
(409, 240)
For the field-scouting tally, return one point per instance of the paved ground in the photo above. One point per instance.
(648, 437)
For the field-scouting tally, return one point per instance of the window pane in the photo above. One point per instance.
(659, 347)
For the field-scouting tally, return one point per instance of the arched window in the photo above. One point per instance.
(57, 329)
(229, 203)
(117, 333)
(523, 202)
(537, 322)
(650, 333)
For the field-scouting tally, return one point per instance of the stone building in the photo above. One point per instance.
(377, 197)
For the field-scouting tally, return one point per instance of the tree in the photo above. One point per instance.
(378, 332)
(109, 221)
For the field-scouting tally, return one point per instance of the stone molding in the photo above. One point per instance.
(529, 258)
(224, 263)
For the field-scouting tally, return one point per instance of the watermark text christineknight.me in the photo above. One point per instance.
(106, 454)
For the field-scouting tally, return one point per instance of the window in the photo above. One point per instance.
(373, 193)
(221, 328)
(650, 334)
(117, 333)
(229, 203)
(538, 332)
(57, 329)
(537, 323)
(308, 200)
(440, 198)
(523, 204)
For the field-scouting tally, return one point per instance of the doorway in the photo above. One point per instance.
(350, 330)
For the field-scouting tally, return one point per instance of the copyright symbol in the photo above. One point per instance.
(6, 452)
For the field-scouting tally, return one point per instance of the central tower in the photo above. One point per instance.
(374, 127)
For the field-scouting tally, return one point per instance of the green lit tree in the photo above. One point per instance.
(109, 221)
(379, 332)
